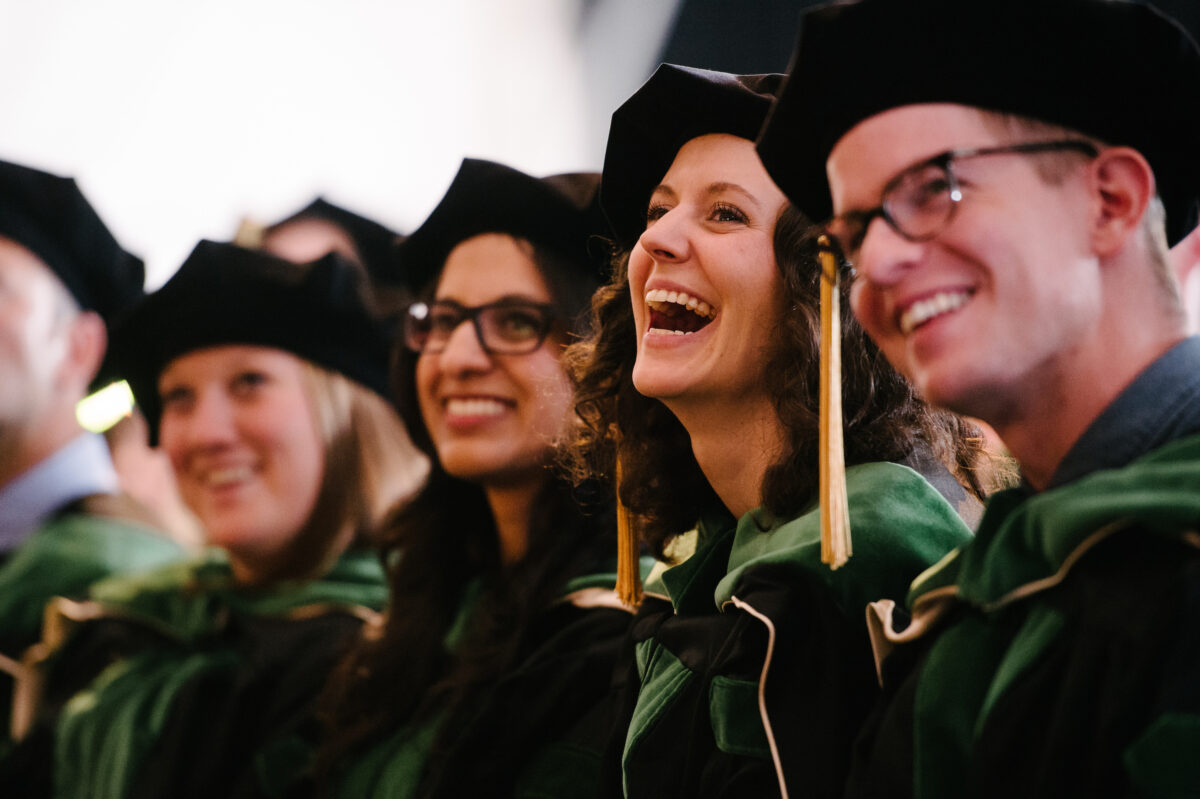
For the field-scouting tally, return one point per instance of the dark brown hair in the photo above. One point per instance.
(661, 482)
(440, 548)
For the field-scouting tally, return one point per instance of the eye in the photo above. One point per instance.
(725, 212)
(518, 324)
(442, 321)
(245, 383)
(176, 399)
(655, 212)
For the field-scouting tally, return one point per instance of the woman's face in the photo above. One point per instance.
(239, 427)
(493, 418)
(705, 289)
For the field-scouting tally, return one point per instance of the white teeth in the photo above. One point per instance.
(693, 304)
(233, 474)
(474, 407)
(658, 331)
(922, 311)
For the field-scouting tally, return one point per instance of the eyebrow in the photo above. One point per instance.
(506, 299)
(720, 187)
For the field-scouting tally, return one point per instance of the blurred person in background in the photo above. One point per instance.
(63, 521)
(264, 382)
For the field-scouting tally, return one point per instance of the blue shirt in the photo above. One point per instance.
(1161, 405)
(81, 468)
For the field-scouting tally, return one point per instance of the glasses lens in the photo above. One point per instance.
(416, 327)
(513, 328)
(920, 204)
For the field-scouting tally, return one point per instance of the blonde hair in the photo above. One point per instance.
(371, 469)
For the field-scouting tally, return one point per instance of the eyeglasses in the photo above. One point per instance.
(507, 327)
(920, 202)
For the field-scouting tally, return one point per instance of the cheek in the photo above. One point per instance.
(551, 390)
(865, 305)
(426, 377)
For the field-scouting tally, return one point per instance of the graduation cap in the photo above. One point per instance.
(49, 216)
(374, 242)
(225, 294)
(1118, 71)
(674, 106)
(557, 212)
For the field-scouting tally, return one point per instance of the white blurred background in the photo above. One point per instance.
(178, 119)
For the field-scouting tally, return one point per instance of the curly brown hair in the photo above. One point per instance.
(661, 482)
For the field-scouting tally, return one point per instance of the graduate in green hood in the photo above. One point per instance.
(1006, 179)
(264, 382)
(490, 674)
(700, 394)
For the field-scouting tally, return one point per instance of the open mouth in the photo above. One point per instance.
(930, 308)
(677, 313)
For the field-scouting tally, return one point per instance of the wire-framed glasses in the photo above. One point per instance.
(920, 202)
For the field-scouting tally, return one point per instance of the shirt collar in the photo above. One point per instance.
(81, 468)
(1161, 405)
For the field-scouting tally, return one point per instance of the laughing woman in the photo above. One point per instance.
(488, 676)
(264, 381)
(753, 667)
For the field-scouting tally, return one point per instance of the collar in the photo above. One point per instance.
(1161, 405)
(82, 467)
(1025, 543)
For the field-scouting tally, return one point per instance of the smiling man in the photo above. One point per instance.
(1006, 179)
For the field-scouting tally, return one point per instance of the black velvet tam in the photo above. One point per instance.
(675, 105)
(1117, 71)
(224, 294)
(557, 212)
(50, 217)
(375, 242)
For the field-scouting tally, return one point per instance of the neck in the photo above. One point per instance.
(512, 508)
(1055, 410)
(23, 447)
(733, 444)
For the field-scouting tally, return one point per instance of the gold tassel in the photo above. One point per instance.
(629, 577)
(835, 513)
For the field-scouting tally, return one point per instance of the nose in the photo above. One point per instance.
(209, 423)
(463, 353)
(666, 238)
(885, 256)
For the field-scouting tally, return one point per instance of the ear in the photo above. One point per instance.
(87, 341)
(1123, 186)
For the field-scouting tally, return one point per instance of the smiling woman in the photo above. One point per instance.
(263, 382)
(753, 669)
(487, 677)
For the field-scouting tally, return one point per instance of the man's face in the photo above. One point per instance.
(34, 332)
(1000, 301)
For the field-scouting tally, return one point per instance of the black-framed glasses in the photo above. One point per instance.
(506, 327)
(920, 202)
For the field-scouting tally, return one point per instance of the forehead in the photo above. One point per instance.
(485, 268)
(17, 263)
(718, 157)
(225, 358)
(876, 149)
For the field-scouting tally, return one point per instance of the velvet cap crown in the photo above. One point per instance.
(557, 212)
(49, 216)
(374, 241)
(225, 294)
(1115, 70)
(675, 105)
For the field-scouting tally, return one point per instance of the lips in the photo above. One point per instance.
(677, 312)
(475, 407)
